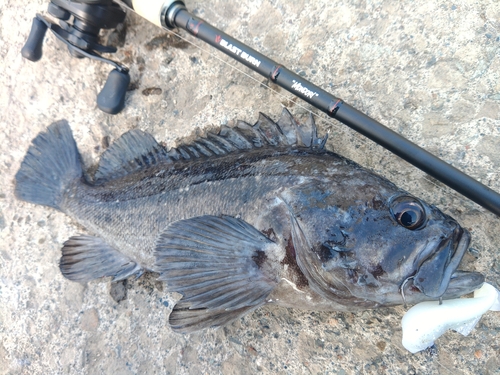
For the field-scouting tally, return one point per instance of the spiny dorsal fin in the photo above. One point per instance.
(290, 128)
(235, 137)
(222, 143)
(136, 149)
(251, 134)
(270, 131)
(286, 132)
(131, 152)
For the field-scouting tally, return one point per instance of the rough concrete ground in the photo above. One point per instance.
(429, 70)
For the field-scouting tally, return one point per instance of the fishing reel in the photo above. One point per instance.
(79, 24)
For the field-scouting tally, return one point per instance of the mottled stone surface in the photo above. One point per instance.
(428, 70)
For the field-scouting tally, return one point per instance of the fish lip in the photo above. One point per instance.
(453, 248)
(463, 282)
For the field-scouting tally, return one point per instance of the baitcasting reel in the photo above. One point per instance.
(80, 22)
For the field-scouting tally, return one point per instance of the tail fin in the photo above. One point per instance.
(50, 164)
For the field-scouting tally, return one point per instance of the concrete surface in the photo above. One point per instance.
(429, 70)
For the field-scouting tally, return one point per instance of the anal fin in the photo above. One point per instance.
(222, 266)
(85, 258)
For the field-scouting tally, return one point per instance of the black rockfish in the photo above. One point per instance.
(253, 215)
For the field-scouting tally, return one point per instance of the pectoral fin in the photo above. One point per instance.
(222, 266)
(85, 258)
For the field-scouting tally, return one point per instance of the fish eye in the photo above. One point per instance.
(408, 212)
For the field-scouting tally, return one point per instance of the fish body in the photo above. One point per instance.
(253, 215)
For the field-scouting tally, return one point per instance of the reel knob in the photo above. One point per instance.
(111, 99)
(32, 50)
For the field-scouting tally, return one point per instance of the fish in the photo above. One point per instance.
(243, 217)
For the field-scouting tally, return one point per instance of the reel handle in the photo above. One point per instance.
(80, 22)
(32, 49)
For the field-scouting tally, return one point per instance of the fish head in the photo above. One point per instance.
(375, 245)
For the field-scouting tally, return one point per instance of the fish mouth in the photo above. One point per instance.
(463, 282)
(437, 269)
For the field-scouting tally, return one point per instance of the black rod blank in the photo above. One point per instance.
(336, 108)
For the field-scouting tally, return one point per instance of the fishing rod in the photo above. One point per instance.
(90, 16)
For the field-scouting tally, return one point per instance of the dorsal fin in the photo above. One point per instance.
(136, 149)
(131, 152)
(290, 128)
(235, 137)
(251, 134)
(221, 142)
(270, 131)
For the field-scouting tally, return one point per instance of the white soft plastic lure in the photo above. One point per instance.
(427, 321)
